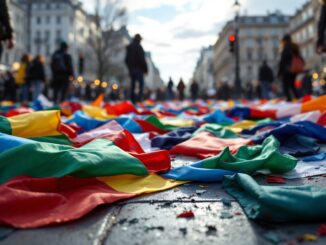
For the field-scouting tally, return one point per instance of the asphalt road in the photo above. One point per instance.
(151, 219)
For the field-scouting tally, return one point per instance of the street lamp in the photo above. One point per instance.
(237, 8)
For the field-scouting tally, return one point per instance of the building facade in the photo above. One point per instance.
(259, 39)
(19, 23)
(203, 73)
(54, 21)
(303, 28)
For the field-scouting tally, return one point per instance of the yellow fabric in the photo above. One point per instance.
(21, 74)
(318, 104)
(97, 113)
(139, 185)
(35, 124)
(177, 122)
(240, 126)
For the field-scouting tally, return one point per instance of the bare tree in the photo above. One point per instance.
(109, 17)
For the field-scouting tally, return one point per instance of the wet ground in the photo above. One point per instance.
(151, 219)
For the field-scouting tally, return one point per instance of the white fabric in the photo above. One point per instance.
(309, 116)
(307, 169)
(288, 110)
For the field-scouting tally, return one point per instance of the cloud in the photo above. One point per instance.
(175, 42)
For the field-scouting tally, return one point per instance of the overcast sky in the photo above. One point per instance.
(174, 31)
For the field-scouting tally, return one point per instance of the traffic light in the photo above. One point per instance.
(232, 40)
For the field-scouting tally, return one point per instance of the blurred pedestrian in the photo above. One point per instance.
(169, 90)
(9, 87)
(194, 89)
(181, 89)
(6, 31)
(249, 90)
(62, 72)
(137, 66)
(22, 79)
(307, 83)
(36, 75)
(266, 78)
(321, 40)
(223, 91)
(291, 64)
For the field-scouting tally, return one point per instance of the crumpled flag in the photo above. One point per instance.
(205, 144)
(157, 123)
(248, 159)
(32, 125)
(100, 157)
(300, 146)
(87, 123)
(277, 203)
(217, 131)
(156, 161)
(314, 105)
(218, 117)
(167, 141)
(283, 132)
(35, 202)
(97, 112)
(240, 126)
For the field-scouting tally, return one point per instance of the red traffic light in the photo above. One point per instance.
(232, 38)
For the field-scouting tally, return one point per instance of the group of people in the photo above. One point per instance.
(31, 76)
(29, 80)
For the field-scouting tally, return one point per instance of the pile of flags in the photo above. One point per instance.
(57, 163)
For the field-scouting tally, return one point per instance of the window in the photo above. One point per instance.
(48, 6)
(58, 19)
(249, 54)
(47, 35)
(38, 20)
(48, 19)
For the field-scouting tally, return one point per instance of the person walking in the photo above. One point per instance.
(307, 83)
(321, 40)
(170, 93)
(62, 72)
(6, 31)
(36, 75)
(266, 78)
(137, 66)
(22, 79)
(181, 89)
(287, 73)
(194, 90)
(9, 87)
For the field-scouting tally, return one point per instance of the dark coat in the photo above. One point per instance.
(266, 73)
(6, 31)
(67, 70)
(322, 27)
(36, 71)
(289, 51)
(135, 57)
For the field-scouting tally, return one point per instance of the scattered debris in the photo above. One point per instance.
(152, 228)
(133, 221)
(308, 237)
(226, 215)
(272, 237)
(122, 221)
(183, 231)
(275, 180)
(211, 230)
(227, 202)
(238, 213)
(166, 205)
(200, 192)
(187, 214)
(203, 186)
(322, 230)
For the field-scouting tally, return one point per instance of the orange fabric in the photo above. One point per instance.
(318, 104)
